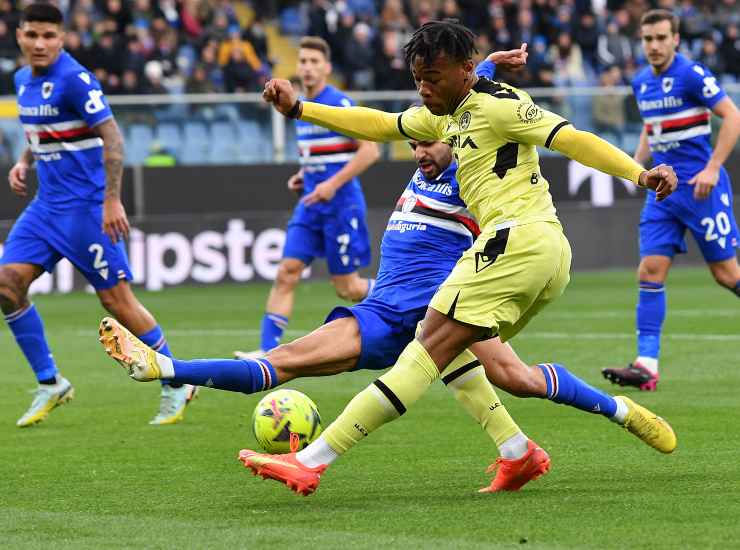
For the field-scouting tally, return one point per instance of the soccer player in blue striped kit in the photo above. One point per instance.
(329, 219)
(77, 213)
(676, 98)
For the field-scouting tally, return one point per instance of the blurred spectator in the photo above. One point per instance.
(107, 54)
(248, 54)
(359, 55)
(199, 81)
(159, 156)
(391, 72)
(614, 48)
(730, 50)
(567, 61)
(130, 83)
(153, 78)
(608, 108)
(587, 38)
(710, 56)
(239, 74)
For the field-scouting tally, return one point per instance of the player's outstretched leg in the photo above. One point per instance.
(521, 459)
(144, 364)
(552, 381)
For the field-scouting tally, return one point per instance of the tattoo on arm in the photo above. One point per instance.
(112, 157)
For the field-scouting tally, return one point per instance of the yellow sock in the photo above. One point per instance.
(466, 378)
(385, 399)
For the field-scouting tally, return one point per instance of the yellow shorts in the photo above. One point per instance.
(506, 277)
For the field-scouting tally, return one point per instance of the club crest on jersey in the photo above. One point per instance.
(667, 84)
(465, 120)
(46, 89)
(409, 203)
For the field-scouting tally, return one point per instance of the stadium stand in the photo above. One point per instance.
(173, 47)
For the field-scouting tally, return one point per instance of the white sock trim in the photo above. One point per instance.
(166, 368)
(317, 454)
(621, 412)
(650, 363)
(514, 447)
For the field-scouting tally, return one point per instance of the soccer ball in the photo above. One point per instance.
(282, 416)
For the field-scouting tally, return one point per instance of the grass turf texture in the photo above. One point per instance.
(96, 475)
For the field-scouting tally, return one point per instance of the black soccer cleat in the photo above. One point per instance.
(633, 374)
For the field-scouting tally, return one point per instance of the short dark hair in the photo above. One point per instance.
(437, 37)
(656, 16)
(42, 12)
(316, 43)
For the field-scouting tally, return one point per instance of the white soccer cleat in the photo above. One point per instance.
(172, 404)
(256, 354)
(47, 398)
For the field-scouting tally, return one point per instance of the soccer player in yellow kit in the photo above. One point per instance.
(518, 264)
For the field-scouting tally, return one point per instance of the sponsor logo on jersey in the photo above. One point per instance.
(44, 109)
(662, 103)
(529, 113)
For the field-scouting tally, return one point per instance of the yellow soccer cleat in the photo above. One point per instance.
(648, 426)
(172, 404)
(131, 353)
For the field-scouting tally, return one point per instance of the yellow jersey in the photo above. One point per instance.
(494, 133)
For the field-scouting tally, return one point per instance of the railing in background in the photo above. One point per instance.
(241, 129)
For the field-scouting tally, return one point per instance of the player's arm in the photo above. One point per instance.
(590, 150)
(642, 153)
(17, 174)
(729, 131)
(115, 222)
(356, 122)
(367, 153)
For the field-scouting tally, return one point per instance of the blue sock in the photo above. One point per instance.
(155, 339)
(273, 326)
(246, 376)
(567, 389)
(736, 290)
(650, 316)
(28, 329)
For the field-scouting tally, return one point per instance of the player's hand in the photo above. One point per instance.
(295, 183)
(281, 94)
(17, 179)
(704, 182)
(115, 221)
(323, 192)
(510, 59)
(661, 179)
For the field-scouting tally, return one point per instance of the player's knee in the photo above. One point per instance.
(652, 272)
(288, 276)
(12, 291)
(353, 290)
(726, 278)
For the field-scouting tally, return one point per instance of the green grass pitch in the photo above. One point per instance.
(95, 475)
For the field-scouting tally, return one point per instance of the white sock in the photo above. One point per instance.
(317, 454)
(166, 368)
(650, 363)
(621, 413)
(514, 447)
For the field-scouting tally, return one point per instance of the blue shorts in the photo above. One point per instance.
(711, 221)
(43, 237)
(340, 236)
(384, 331)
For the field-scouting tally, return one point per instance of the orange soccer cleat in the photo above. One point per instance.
(514, 473)
(285, 469)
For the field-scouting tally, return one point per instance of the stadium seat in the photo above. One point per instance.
(197, 143)
(169, 135)
(138, 141)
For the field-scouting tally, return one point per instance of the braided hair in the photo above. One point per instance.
(437, 37)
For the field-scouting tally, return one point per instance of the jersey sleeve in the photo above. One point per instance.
(420, 124)
(703, 86)
(486, 69)
(518, 119)
(84, 94)
(344, 101)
